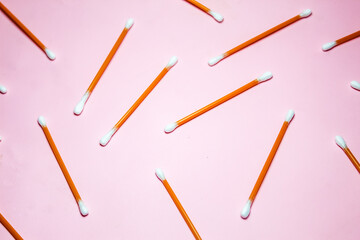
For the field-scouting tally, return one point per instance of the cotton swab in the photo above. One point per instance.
(3, 89)
(217, 59)
(104, 140)
(161, 176)
(80, 106)
(341, 143)
(246, 210)
(10, 228)
(355, 85)
(172, 126)
(47, 51)
(215, 15)
(83, 210)
(330, 45)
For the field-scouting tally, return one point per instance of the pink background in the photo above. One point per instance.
(311, 191)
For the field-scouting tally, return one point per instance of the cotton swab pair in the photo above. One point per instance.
(161, 176)
(246, 210)
(355, 85)
(341, 143)
(80, 106)
(3, 89)
(172, 126)
(10, 228)
(207, 10)
(12, 17)
(217, 59)
(83, 210)
(330, 45)
(105, 140)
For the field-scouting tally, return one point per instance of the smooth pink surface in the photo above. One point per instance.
(312, 190)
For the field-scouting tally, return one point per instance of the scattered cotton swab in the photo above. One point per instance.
(246, 210)
(3, 89)
(161, 176)
(17, 22)
(217, 59)
(172, 126)
(10, 228)
(104, 140)
(341, 143)
(355, 85)
(330, 45)
(217, 16)
(80, 106)
(83, 210)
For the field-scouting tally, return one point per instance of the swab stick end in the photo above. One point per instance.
(172, 62)
(80, 106)
(340, 142)
(160, 174)
(355, 85)
(3, 89)
(215, 60)
(129, 23)
(170, 127)
(50, 54)
(305, 13)
(266, 76)
(217, 16)
(289, 115)
(41, 121)
(105, 139)
(246, 210)
(83, 210)
(328, 46)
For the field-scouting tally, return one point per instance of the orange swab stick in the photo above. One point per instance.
(83, 210)
(105, 140)
(215, 15)
(341, 142)
(161, 176)
(172, 126)
(330, 45)
(246, 210)
(47, 51)
(11, 230)
(80, 106)
(217, 59)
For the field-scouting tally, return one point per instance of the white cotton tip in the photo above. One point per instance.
(105, 139)
(172, 62)
(216, 16)
(305, 13)
(41, 121)
(83, 210)
(160, 174)
(80, 106)
(266, 76)
(246, 210)
(328, 46)
(340, 141)
(3, 89)
(355, 85)
(50, 54)
(129, 23)
(215, 60)
(289, 115)
(170, 127)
